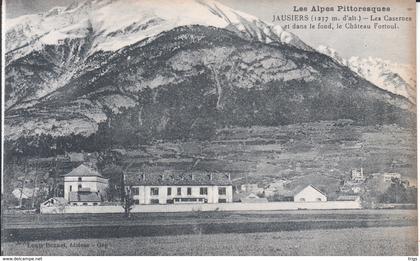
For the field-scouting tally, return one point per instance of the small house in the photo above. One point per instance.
(252, 198)
(53, 205)
(76, 157)
(310, 194)
(389, 177)
(24, 193)
(251, 188)
(348, 198)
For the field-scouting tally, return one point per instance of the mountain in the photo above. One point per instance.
(171, 79)
(98, 25)
(392, 77)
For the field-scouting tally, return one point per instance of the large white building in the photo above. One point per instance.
(83, 182)
(180, 188)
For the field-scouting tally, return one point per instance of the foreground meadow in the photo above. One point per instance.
(354, 241)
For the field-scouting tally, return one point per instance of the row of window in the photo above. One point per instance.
(171, 201)
(155, 191)
(85, 204)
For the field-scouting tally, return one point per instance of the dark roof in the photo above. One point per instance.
(317, 189)
(193, 178)
(293, 192)
(83, 171)
(84, 197)
(74, 156)
(252, 198)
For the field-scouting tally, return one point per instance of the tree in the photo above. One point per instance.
(126, 197)
(128, 203)
(398, 193)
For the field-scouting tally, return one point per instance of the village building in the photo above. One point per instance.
(348, 198)
(75, 157)
(251, 188)
(52, 202)
(389, 177)
(310, 194)
(53, 205)
(252, 198)
(84, 197)
(24, 193)
(276, 187)
(357, 175)
(84, 182)
(180, 188)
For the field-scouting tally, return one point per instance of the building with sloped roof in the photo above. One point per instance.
(180, 188)
(84, 179)
(84, 198)
(310, 194)
(252, 198)
(348, 198)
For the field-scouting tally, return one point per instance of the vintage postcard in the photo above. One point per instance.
(209, 127)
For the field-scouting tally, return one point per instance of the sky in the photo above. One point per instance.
(395, 45)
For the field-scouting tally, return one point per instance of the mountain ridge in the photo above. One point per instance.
(396, 78)
(98, 23)
(181, 83)
(217, 77)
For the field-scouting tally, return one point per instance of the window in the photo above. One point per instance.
(178, 191)
(189, 191)
(169, 191)
(95, 204)
(85, 204)
(70, 188)
(222, 191)
(222, 200)
(79, 187)
(136, 202)
(74, 204)
(203, 191)
(79, 179)
(169, 201)
(154, 191)
(154, 201)
(135, 191)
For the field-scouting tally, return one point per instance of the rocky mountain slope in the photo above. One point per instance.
(396, 78)
(91, 26)
(173, 80)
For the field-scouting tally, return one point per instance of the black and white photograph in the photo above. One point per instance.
(209, 128)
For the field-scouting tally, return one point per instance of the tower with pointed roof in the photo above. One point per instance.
(84, 180)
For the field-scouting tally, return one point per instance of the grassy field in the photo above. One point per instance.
(354, 241)
(80, 220)
(303, 232)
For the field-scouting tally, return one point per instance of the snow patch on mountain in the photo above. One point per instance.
(395, 78)
(140, 20)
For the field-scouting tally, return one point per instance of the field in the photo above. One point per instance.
(344, 232)
(354, 241)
